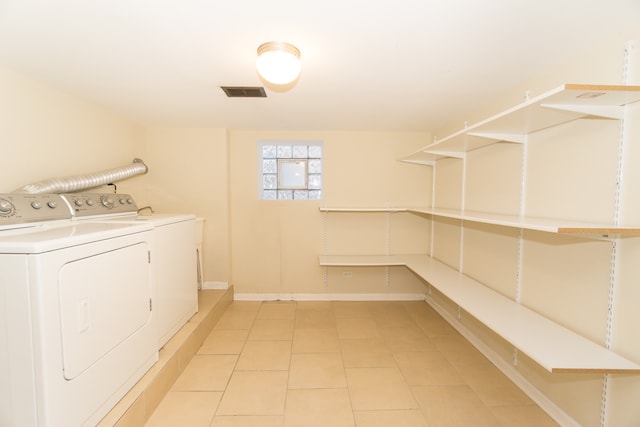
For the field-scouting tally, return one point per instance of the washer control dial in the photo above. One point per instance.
(107, 202)
(85, 205)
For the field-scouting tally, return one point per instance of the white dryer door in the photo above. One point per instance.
(104, 299)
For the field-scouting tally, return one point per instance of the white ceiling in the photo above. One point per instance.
(367, 64)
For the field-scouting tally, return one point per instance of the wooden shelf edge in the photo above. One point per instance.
(606, 88)
(619, 231)
(577, 229)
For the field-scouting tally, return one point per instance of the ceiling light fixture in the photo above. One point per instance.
(278, 62)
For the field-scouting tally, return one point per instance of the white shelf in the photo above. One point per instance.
(354, 209)
(549, 344)
(422, 158)
(558, 226)
(561, 105)
(363, 260)
(591, 230)
(552, 346)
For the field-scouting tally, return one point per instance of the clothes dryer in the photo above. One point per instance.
(76, 330)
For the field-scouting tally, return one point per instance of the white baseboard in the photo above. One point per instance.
(215, 285)
(328, 297)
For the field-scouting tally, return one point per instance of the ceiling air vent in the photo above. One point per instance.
(244, 91)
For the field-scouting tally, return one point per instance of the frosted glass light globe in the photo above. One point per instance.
(278, 62)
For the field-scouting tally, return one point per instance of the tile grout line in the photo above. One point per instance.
(344, 369)
(415, 322)
(215, 413)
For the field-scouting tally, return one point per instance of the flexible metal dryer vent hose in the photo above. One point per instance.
(70, 184)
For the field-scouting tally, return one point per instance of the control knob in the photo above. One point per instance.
(5, 207)
(107, 202)
(36, 205)
(52, 204)
(79, 202)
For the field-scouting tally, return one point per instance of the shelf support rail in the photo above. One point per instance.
(462, 208)
(522, 208)
(433, 204)
(522, 212)
(325, 246)
(613, 269)
(388, 245)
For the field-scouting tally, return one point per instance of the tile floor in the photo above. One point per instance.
(339, 364)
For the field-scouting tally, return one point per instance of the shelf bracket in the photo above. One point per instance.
(506, 137)
(615, 112)
(456, 154)
(419, 162)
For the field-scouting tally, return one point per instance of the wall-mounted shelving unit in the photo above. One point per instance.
(560, 105)
(552, 345)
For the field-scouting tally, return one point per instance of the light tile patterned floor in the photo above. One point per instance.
(364, 364)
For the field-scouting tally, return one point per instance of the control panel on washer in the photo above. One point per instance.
(90, 204)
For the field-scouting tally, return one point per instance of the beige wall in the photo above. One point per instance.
(275, 244)
(271, 248)
(569, 172)
(45, 133)
(188, 173)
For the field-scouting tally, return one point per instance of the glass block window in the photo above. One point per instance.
(290, 170)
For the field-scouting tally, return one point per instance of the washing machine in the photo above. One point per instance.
(175, 263)
(174, 254)
(76, 329)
